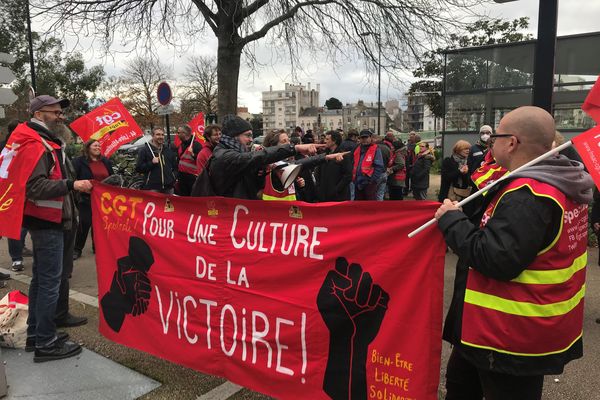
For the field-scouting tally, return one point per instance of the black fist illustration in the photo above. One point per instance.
(353, 308)
(130, 288)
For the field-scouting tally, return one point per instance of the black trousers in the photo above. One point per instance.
(85, 223)
(396, 192)
(466, 382)
(62, 305)
(184, 183)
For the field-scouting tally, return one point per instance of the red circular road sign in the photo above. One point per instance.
(164, 93)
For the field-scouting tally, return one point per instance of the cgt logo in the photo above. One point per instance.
(108, 119)
(119, 204)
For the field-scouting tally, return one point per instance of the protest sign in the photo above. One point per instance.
(110, 124)
(291, 299)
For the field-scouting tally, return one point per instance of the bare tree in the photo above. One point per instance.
(137, 88)
(400, 29)
(201, 84)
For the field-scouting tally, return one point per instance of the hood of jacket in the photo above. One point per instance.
(564, 174)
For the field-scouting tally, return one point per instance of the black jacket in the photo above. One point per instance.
(157, 176)
(450, 175)
(81, 165)
(522, 225)
(333, 179)
(236, 174)
(419, 174)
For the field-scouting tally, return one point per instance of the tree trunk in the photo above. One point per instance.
(228, 71)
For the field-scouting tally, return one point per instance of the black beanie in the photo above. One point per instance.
(234, 125)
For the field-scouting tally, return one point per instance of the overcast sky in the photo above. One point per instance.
(349, 82)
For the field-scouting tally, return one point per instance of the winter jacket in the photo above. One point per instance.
(40, 187)
(236, 174)
(522, 225)
(419, 173)
(451, 176)
(333, 179)
(157, 176)
(476, 156)
(81, 166)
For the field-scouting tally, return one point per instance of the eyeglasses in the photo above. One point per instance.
(58, 113)
(494, 136)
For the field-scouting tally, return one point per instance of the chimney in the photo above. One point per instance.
(309, 86)
(270, 88)
(318, 87)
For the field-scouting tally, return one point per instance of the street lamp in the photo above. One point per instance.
(378, 78)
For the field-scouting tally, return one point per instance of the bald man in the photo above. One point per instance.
(517, 309)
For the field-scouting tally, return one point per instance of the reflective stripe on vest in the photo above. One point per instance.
(187, 163)
(48, 210)
(544, 301)
(488, 172)
(366, 168)
(270, 193)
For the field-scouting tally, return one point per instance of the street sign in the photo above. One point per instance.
(6, 75)
(7, 58)
(165, 110)
(164, 93)
(7, 96)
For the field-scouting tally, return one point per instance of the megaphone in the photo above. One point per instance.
(287, 173)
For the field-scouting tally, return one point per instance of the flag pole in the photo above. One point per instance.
(488, 187)
(151, 151)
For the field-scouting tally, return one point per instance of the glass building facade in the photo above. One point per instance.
(484, 83)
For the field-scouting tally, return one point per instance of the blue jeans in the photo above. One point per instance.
(15, 247)
(45, 283)
(381, 187)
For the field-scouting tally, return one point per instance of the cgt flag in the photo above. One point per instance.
(197, 126)
(17, 161)
(591, 105)
(110, 124)
(588, 147)
(291, 299)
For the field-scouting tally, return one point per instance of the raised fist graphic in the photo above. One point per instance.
(353, 308)
(130, 288)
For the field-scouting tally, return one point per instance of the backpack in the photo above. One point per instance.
(203, 186)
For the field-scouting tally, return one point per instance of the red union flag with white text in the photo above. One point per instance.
(588, 147)
(110, 124)
(294, 300)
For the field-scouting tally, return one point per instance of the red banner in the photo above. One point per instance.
(110, 124)
(197, 125)
(588, 147)
(591, 105)
(17, 161)
(294, 300)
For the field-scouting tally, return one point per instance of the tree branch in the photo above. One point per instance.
(283, 17)
(209, 16)
(254, 7)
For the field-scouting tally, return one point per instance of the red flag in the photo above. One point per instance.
(17, 160)
(197, 125)
(275, 297)
(588, 147)
(591, 105)
(110, 124)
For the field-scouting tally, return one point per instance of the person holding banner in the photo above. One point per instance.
(50, 217)
(91, 165)
(187, 152)
(517, 308)
(212, 134)
(235, 169)
(157, 162)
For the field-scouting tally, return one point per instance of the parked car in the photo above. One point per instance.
(133, 147)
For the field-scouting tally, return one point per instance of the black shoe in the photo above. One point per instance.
(30, 343)
(4, 277)
(70, 321)
(76, 255)
(57, 351)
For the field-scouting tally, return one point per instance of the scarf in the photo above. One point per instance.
(231, 143)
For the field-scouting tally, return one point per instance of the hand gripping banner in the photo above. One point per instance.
(110, 124)
(295, 300)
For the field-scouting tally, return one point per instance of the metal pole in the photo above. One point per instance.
(30, 39)
(379, 89)
(543, 76)
(168, 130)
